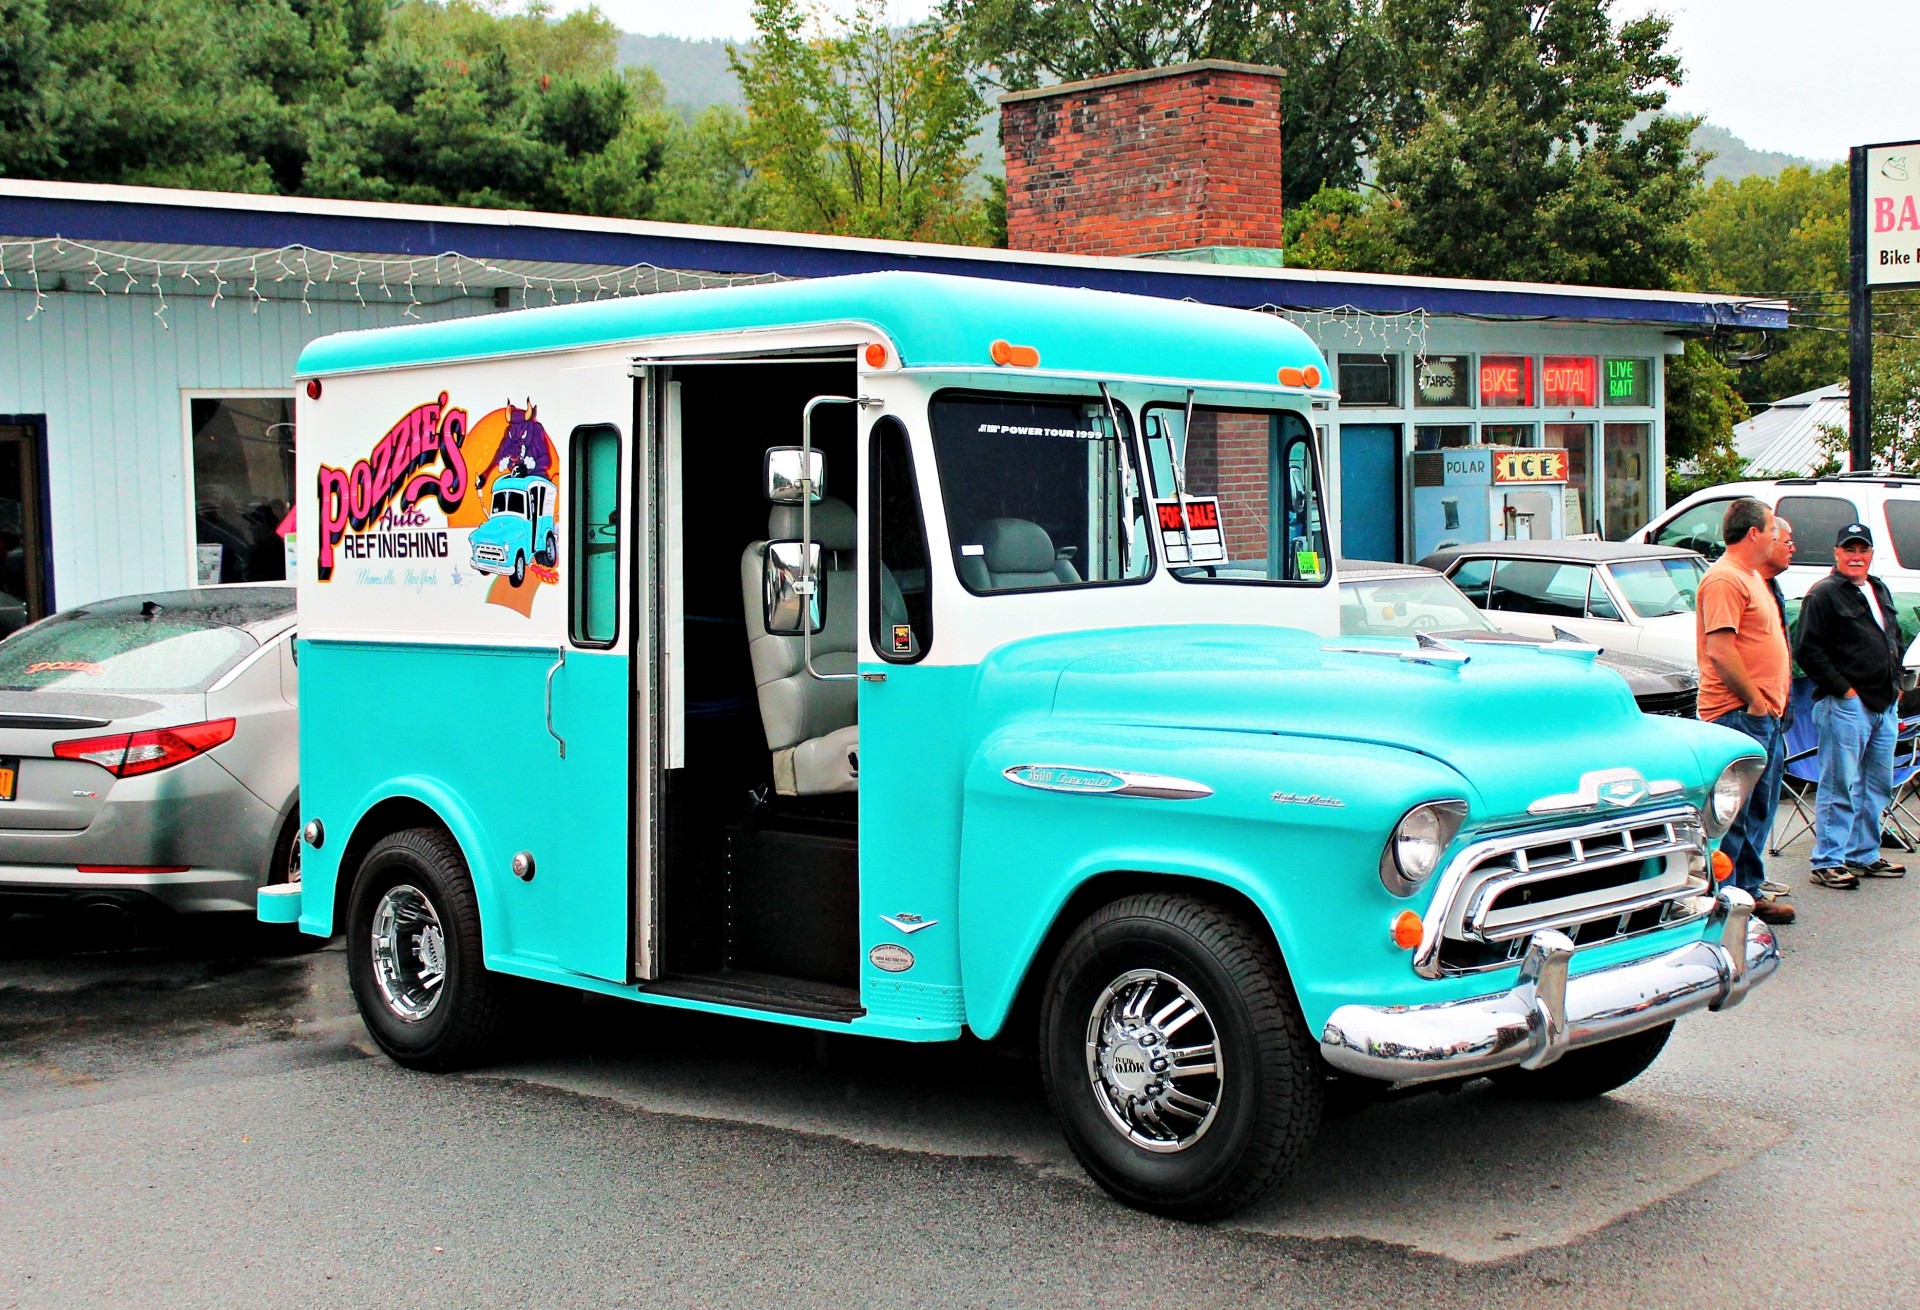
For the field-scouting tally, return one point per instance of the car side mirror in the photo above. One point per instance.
(792, 599)
(793, 475)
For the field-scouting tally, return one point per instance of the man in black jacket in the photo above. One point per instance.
(1848, 641)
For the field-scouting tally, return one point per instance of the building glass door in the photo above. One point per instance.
(25, 588)
(1577, 440)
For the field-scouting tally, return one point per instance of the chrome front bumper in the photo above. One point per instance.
(1548, 1014)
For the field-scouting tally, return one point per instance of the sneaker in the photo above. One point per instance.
(1769, 910)
(1772, 888)
(1844, 879)
(1881, 868)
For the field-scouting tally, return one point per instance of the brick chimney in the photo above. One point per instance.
(1172, 160)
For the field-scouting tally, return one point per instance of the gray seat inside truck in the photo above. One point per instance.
(810, 724)
(1005, 554)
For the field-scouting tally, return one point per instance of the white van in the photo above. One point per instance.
(1889, 504)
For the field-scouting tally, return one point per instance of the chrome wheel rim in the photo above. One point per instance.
(293, 857)
(409, 953)
(1153, 1060)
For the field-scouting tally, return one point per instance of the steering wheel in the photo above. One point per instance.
(1425, 622)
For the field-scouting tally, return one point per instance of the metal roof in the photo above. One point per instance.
(1784, 438)
(201, 220)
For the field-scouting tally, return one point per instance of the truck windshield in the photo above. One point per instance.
(1237, 498)
(510, 502)
(1039, 492)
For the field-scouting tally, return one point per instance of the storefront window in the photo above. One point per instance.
(1508, 434)
(1369, 380)
(1442, 436)
(1506, 381)
(1443, 381)
(1571, 381)
(1625, 446)
(242, 485)
(1629, 382)
(1575, 439)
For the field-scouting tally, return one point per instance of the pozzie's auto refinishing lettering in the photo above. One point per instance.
(357, 499)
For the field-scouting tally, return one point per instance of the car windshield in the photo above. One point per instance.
(121, 652)
(1400, 606)
(1038, 492)
(1656, 588)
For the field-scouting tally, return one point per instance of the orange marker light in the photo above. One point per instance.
(1293, 377)
(1722, 866)
(1407, 930)
(876, 355)
(1312, 375)
(1005, 354)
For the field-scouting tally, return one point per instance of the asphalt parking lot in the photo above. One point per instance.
(198, 1120)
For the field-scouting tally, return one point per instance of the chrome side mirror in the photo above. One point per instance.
(787, 468)
(792, 600)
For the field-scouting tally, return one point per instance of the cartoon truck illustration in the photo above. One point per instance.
(519, 528)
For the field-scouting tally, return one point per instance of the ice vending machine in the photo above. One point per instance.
(1487, 493)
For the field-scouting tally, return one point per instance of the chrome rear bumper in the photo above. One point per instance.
(1548, 1014)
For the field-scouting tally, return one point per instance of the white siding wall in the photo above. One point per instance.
(108, 377)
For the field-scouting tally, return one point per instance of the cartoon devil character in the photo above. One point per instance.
(524, 451)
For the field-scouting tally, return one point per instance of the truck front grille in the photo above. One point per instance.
(1675, 704)
(1596, 882)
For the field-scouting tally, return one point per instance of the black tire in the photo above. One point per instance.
(1265, 1101)
(1589, 1072)
(461, 1019)
(286, 938)
(548, 552)
(519, 568)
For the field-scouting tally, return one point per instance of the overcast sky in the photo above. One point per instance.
(1807, 78)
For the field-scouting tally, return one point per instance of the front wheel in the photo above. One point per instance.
(548, 552)
(414, 955)
(519, 568)
(1175, 1056)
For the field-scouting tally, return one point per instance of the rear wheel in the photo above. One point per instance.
(1175, 1057)
(519, 568)
(1590, 1071)
(548, 553)
(414, 955)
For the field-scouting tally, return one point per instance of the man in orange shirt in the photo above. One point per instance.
(1745, 669)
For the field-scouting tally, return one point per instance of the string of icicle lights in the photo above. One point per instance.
(240, 276)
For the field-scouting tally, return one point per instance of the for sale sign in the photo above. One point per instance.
(1893, 215)
(1190, 532)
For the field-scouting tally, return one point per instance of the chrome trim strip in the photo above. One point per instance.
(1426, 958)
(1082, 780)
(1546, 1014)
(271, 646)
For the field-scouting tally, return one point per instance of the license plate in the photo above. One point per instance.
(9, 775)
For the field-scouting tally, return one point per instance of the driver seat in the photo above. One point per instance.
(810, 725)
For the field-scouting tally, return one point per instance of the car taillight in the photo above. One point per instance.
(131, 753)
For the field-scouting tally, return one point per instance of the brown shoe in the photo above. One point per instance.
(1880, 868)
(1768, 909)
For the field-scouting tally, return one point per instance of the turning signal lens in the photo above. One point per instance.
(1722, 866)
(876, 355)
(1407, 929)
(1006, 354)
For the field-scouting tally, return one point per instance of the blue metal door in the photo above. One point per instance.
(1370, 491)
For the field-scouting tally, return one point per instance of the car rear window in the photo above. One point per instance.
(1903, 525)
(1816, 520)
(121, 652)
(1541, 587)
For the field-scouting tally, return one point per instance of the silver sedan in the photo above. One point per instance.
(149, 754)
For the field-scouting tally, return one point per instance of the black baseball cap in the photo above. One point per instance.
(1854, 532)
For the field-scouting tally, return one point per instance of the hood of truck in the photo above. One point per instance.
(1517, 723)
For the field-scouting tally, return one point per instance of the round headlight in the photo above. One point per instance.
(1419, 839)
(1730, 792)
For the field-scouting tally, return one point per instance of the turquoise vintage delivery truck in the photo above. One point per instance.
(919, 657)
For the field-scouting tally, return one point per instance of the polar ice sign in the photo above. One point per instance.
(1893, 215)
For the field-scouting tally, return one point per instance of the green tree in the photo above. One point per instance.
(707, 176)
(1347, 61)
(1781, 237)
(860, 128)
(29, 108)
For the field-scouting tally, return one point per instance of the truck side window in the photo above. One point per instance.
(593, 536)
(902, 609)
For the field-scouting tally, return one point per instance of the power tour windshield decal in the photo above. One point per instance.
(392, 513)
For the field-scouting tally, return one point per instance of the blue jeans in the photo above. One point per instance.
(1747, 838)
(1856, 780)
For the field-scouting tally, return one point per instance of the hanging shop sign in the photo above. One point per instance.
(1542, 465)
(1893, 215)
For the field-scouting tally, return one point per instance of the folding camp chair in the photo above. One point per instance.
(1800, 778)
(1900, 824)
